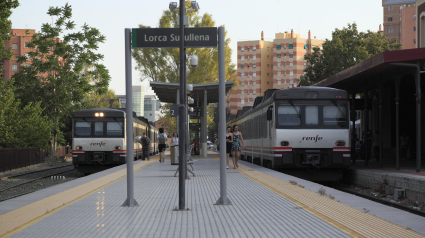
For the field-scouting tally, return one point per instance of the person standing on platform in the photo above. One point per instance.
(146, 143)
(229, 143)
(236, 148)
(175, 140)
(194, 148)
(161, 138)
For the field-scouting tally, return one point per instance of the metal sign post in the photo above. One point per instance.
(130, 201)
(223, 200)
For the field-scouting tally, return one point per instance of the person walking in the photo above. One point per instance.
(229, 143)
(236, 147)
(161, 138)
(146, 143)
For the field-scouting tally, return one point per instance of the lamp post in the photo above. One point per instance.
(183, 121)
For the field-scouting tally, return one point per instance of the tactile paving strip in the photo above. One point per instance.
(353, 221)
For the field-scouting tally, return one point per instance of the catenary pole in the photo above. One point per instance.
(130, 201)
(223, 200)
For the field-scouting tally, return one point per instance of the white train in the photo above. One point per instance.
(302, 131)
(99, 138)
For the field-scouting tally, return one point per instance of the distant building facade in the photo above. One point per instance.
(420, 23)
(138, 100)
(266, 65)
(18, 42)
(152, 108)
(400, 21)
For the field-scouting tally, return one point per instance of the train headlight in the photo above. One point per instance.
(284, 143)
(101, 114)
(96, 114)
(118, 147)
(340, 143)
(79, 147)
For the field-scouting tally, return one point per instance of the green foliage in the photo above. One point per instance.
(6, 7)
(347, 48)
(22, 127)
(61, 73)
(96, 100)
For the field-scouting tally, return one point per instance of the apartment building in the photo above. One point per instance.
(400, 21)
(420, 23)
(254, 72)
(19, 43)
(289, 50)
(266, 65)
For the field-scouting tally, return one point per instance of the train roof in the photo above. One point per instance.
(257, 101)
(107, 112)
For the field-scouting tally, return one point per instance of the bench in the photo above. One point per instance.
(190, 162)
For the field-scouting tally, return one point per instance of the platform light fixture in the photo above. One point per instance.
(173, 6)
(195, 5)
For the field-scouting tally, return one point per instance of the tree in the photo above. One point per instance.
(58, 75)
(96, 100)
(347, 48)
(21, 127)
(6, 7)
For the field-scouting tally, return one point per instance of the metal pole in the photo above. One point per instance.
(204, 127)
(182, 113)
(380, 124)
(397, 123)
(178, 102)
(353, 130)
(130, 201)
(366, 123)
(223, 200)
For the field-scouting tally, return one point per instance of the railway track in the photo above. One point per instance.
(20, 184)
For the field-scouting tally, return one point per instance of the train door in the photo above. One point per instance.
(271, 132)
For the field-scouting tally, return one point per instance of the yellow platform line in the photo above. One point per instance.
(348, 219)
(27, 215)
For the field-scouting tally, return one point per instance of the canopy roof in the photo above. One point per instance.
(167, 92)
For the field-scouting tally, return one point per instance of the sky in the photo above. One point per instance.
(243, 20)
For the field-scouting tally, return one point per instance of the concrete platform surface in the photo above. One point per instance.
(265, 204)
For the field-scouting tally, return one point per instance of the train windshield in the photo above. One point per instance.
(91, 128)
(330, 114)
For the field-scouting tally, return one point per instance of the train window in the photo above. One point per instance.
(288, 115)
(334, 115)
(82, 128)
(98, 128)
(311, 115)
(114, 128)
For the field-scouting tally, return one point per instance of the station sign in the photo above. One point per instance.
(174, 110)
(194, 125)
(198, 112)
(195, 37)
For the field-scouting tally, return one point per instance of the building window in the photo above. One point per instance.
(278, 65)
(254, 48)
(278, 73)
(242, 92)
(242, 101)
(291, 64)
(14, 46)
(291, 55)
(268, 65)
(242, 66)
(254, 92)
(284, 55)
(290, 81)
(247, 57)
(242, 84)
(414, 41)
(268, 56)
(291, 73)
(27, 44)
(254, 66)
(278, 47)
(254, 57)
(242, 49)
(390, 8)
(284, 73)
(254, 75)
(291, 46)
(414, 17)
(247, 48)
(268, 48)
(242, 57)
(242, 75)
(279, 56)
(284, 46)
(284, 64)
(390, 30)
(284, 81)
(414, 28)
(279, 82)
(390, 18)
(27, 65)
(247, 83)
(268, 74)
(14, 67)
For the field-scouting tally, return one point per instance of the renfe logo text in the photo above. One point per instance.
(100, 144)
(317, 138)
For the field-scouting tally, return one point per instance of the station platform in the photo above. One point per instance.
(265, 203)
